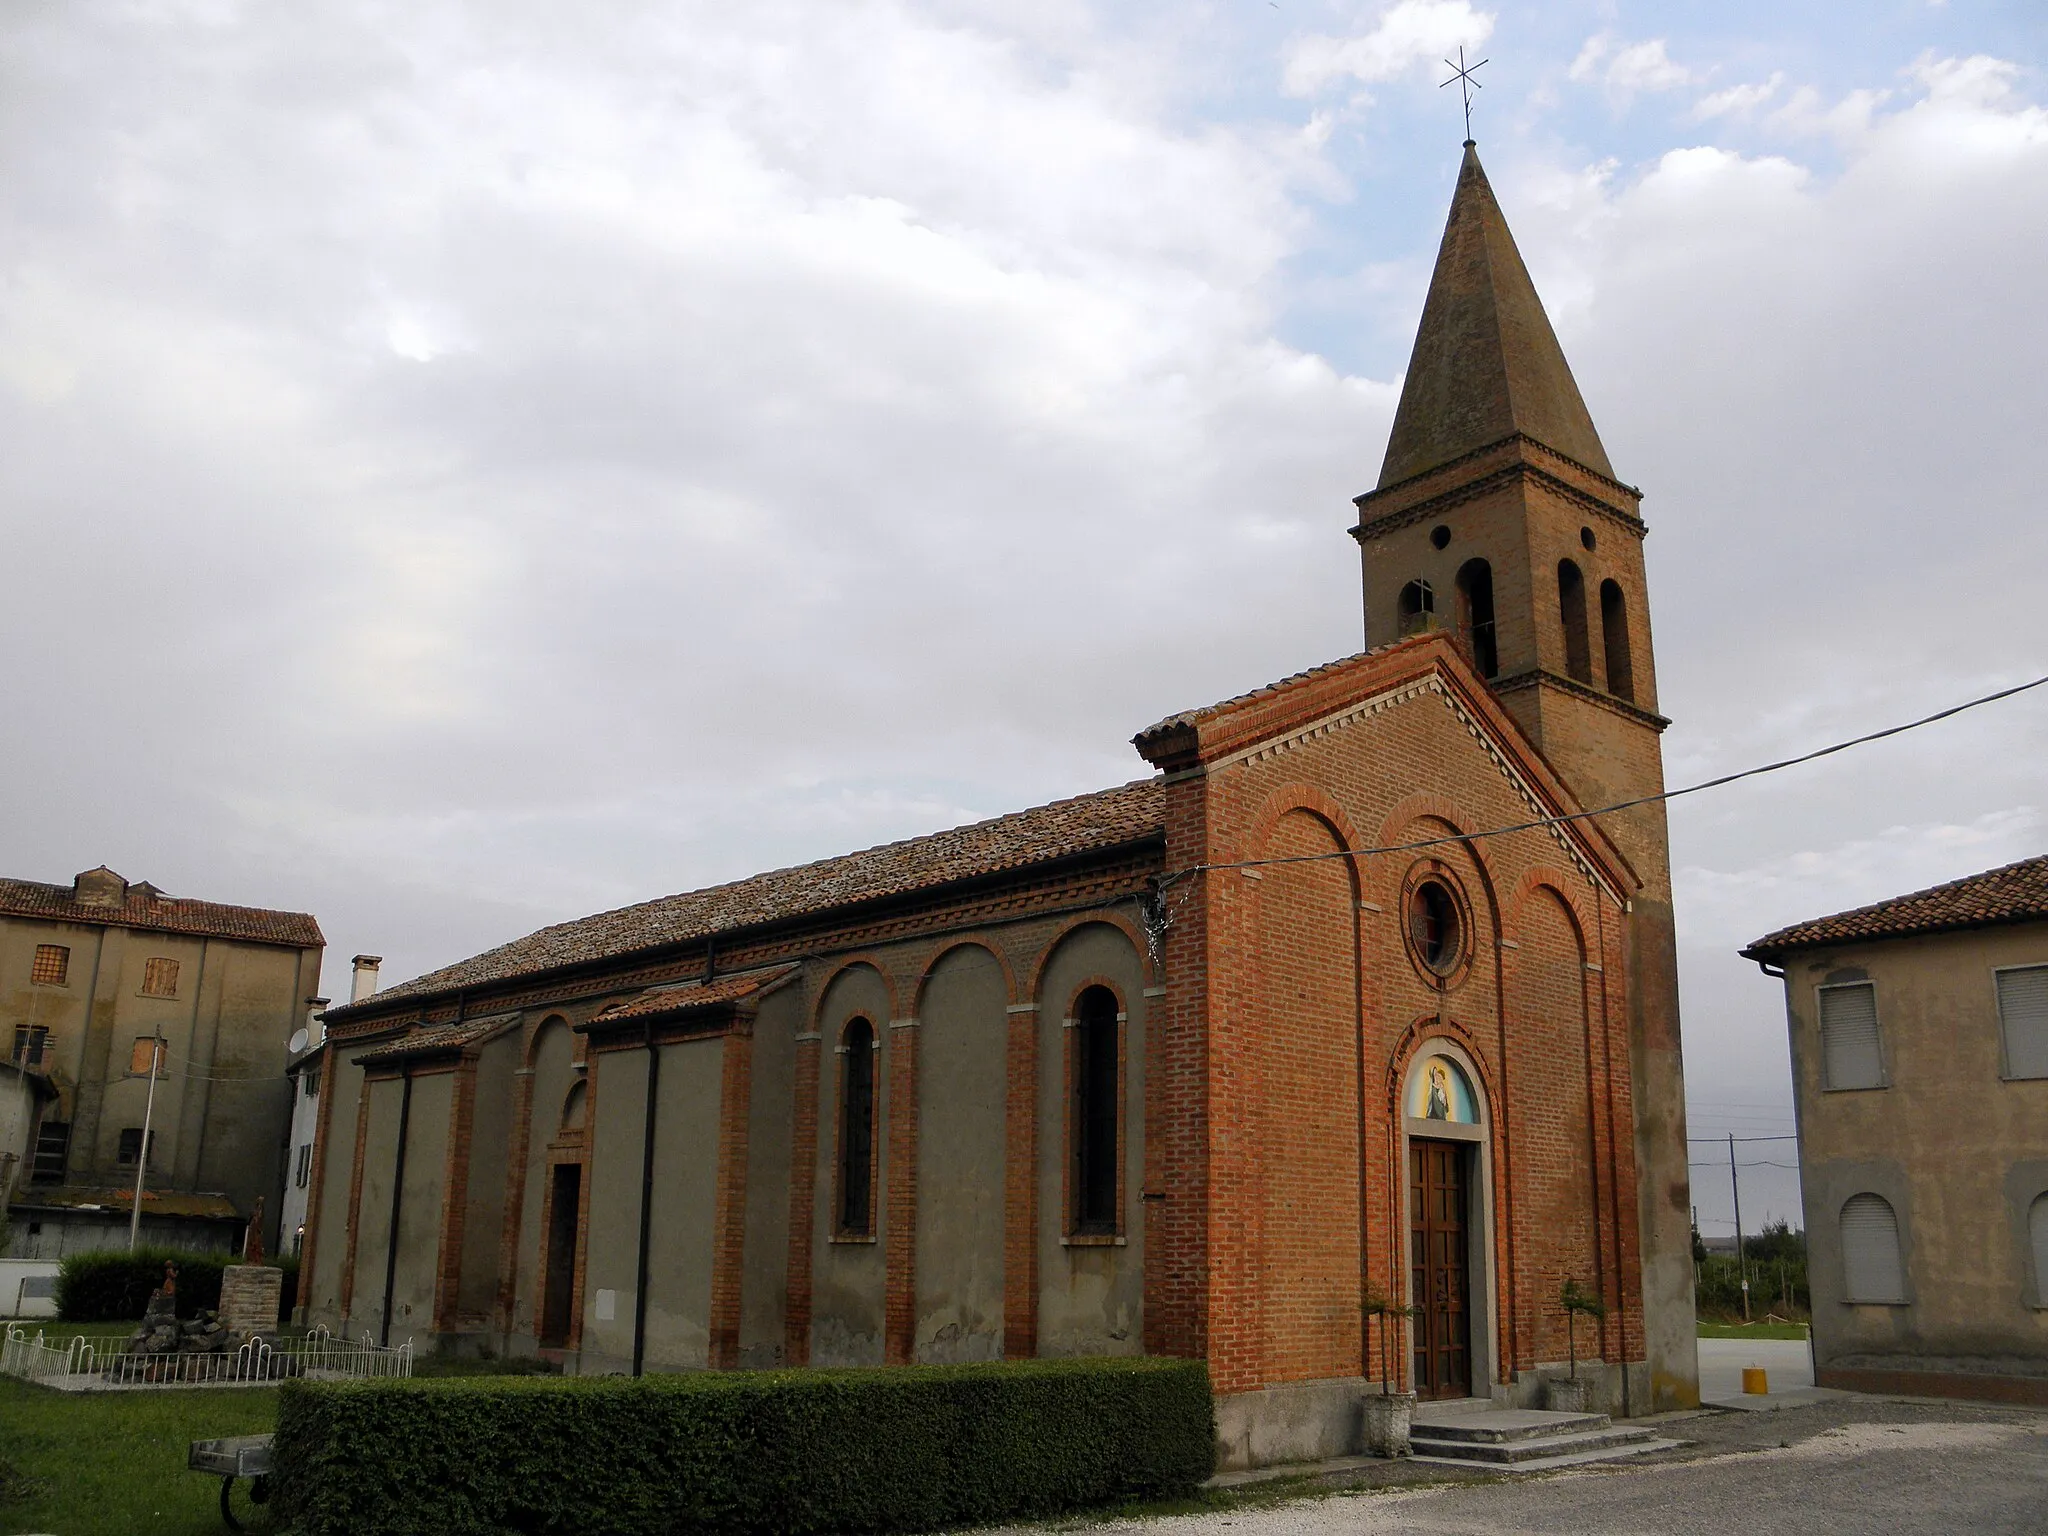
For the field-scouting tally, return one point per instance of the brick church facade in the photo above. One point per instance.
(1193, 1066)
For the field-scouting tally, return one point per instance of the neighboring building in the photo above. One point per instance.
(90, 973)
(1179, 1067)
(303, 1072)
(1920, 1074)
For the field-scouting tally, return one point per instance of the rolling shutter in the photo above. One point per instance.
(1848, 1036)
(2037, 1228)
(1870, 1251)
(2023, 1011)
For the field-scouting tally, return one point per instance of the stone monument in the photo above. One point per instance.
(251, 1291)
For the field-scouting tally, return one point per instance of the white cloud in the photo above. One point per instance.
(1406, 34)
(1738, 100)
(1627, 70)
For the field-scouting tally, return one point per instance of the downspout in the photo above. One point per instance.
(397, 1194)
(646, 1203)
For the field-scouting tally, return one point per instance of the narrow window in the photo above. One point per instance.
(131, 1146)
(1096, 1079)
(309, 1082)
(856, 1129)
(1571, 607)
(2037, 1231)
(1475, 614)
(53, 1146)
(51, 965)
(1871, 1270)
(31, 1043)
(1621, 677)
(2023, 1018)
(139, 1054)
(1417, 607)
(160, 978)
(305, 1165)
(1852, 1054)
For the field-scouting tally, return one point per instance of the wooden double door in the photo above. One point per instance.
(1439, 1238)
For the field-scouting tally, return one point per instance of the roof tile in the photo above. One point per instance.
(2009, 894)
(148, 909)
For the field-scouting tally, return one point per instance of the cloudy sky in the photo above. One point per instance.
(467, 465)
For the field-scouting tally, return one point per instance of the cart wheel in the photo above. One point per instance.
(246, 1506)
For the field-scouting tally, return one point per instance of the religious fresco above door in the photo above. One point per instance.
(1439, 1090)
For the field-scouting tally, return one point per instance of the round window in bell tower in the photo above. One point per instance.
(1586, 537)
(1440, 535)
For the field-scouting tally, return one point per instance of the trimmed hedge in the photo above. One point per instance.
(907, 1448)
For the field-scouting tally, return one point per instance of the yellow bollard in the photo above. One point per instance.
(1754, 1383)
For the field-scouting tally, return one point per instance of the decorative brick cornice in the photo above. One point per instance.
(1402, 512)
(1542, 676)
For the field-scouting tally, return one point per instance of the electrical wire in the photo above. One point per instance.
(1620, 805)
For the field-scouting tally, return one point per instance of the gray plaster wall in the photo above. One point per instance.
(366, 1305)
(962, 1090)
(483, 1217)
(1090, 1296)
(764, 1256)
(848, 1276)
(420, 1211)
(552, 1072)
(679, 1248)
(613, 1242)
(321, 1290)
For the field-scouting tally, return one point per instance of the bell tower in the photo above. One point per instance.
(1498, 516)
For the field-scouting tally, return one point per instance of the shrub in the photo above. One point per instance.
(113, 1286)
(903, 1449)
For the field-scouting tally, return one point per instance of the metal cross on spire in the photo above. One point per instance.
(1466, 85)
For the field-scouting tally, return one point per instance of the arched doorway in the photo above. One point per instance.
(1449, 1211)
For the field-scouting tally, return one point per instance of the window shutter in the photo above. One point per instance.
(2023, 1011)
(1871, 1270)
(1848, 1036)
(2037, 1226)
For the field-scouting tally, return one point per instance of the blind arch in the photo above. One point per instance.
(1872, 1270)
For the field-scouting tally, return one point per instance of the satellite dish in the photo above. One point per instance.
(300, 1041)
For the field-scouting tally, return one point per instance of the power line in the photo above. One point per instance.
(1620, 805)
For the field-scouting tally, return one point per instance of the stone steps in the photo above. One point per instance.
(1525, 1440)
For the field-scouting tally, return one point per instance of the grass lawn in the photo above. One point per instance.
(87, 1463)
(1752, 1330)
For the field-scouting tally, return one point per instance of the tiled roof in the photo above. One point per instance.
(660, 1002)
(2009, 894)
(432, 1039)
(72, 1197)
(1189, 717)
(1109, 818)
(146, 908)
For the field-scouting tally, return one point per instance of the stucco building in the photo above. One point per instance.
(1919, 1030)
(90, 974)
(1184, 1066)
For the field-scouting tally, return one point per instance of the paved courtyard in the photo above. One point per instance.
(1834, 1467)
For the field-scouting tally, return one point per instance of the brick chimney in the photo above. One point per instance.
(365, 982)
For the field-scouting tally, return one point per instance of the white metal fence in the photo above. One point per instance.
(83, 1365)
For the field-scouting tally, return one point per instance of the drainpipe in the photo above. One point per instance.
(397, 1194)
(646, 1204)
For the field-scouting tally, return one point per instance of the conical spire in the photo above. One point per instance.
(1486, 362)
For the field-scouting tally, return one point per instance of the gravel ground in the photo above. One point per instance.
(1860, 1465)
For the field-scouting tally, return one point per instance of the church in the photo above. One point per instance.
(1343, 1002)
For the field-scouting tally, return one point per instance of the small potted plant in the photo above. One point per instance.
(1389, 1415)
(1570, 1394)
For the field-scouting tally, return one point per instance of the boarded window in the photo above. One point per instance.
(857, 1129)
(2023, 1016)
(1096, 1079)
(31, 1045)
(51, 965)
(1851, 1053)
(160, 978)
(140, 1052)
(131, 1146)
(1871, 1270)
(2037, 1229)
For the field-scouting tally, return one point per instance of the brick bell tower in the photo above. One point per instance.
(1498, 516)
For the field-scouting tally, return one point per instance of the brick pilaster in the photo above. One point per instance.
(899, 1291)
(455, 1195)
(803, 1188)
(355, 1198)
(1020, 1187)
(729, 1230)
(323, 1130)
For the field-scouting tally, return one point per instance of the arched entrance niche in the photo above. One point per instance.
(1447, 1221)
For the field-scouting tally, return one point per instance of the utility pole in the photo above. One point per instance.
(156, 1060)
(1741, 1260)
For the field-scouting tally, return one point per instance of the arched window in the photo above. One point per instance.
(1417, 607)
(572, 1106)
(857, 1129)
(1097, 1090)
(2037, 1231)
(1621, 677)
(1571, 607)
(1871, 1269)
(1475, 614)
